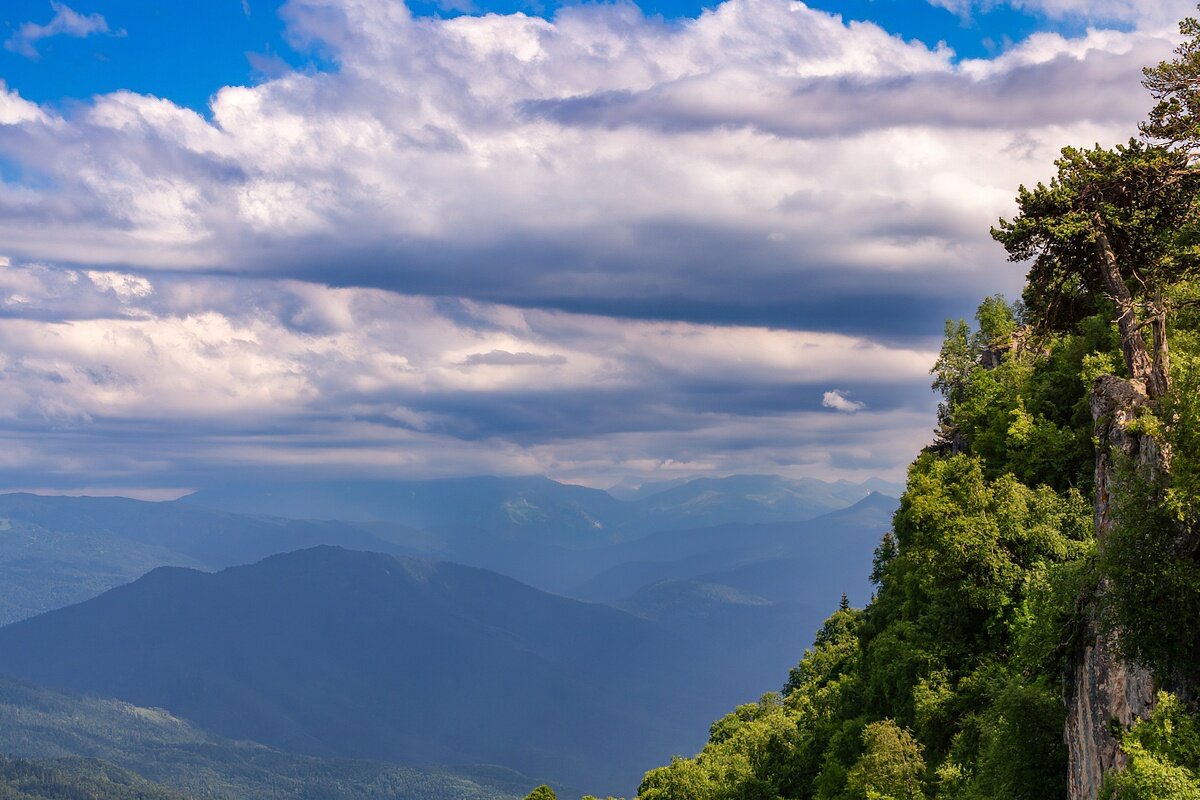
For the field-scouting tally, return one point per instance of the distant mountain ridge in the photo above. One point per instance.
(55, 551)
(540, 510)
(338, 653)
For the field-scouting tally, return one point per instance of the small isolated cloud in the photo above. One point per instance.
(839, 402)
(65, 22)
(503, 358)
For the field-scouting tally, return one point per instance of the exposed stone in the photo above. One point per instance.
(1106, 694)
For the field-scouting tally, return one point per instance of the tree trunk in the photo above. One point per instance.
(1162, 351)
(1141, 366)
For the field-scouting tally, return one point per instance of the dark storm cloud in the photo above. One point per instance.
(684, 271)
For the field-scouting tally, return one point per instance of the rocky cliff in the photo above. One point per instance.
(1105, 693)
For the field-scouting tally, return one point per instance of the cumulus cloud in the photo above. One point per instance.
(766, 162)
(65, 22)
(838, 401)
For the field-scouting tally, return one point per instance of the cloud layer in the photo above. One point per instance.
(764, 162)
(286, 374)
(588, 246)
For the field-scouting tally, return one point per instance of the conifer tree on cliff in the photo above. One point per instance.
(1108, 232)
(1116, 229)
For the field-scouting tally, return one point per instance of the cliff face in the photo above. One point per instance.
(1106, 693)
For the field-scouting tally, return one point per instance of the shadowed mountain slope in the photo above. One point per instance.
(339, 653)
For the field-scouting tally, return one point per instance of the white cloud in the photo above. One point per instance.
(15, 110)
(838, 401)
(126, 287)
(586, 159)
(65, 22)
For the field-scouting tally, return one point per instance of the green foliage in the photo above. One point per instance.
(1175, 118)
(1137, 196)
(1021, 752)
(1154, 589)
(891, 767)
(954, 368)
(1047, 627)
(997, 320)
(1181, 413)
(683, 779)
(542, 792)
(75, 779)
(1025, 411)
(1164, 757)
(967, 546)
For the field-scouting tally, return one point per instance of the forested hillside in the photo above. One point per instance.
(75, 779)
(1035, 625)
(63, 742)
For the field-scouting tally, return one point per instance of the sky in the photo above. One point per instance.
(595, 241)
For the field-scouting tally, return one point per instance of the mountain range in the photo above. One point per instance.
(376, 639)
(55, 551)
(540, 510)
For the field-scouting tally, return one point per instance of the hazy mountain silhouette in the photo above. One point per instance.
(811, 561)
(538, 510)
(332, 652)
(524, 508)
(55, 551)
(741, 499)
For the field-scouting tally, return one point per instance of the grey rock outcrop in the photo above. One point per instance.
(1105, 693)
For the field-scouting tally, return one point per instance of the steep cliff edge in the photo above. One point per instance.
(1105, 693)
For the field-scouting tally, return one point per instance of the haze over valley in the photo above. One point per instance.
(363, 639)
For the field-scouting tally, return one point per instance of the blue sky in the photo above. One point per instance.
(346, 237)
